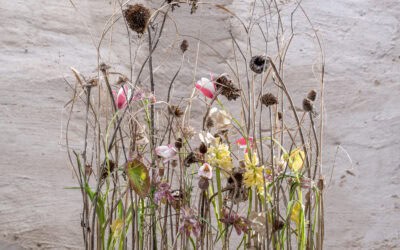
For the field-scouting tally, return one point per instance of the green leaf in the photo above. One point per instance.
(139, 179)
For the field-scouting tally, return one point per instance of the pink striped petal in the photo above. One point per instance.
(206, 87)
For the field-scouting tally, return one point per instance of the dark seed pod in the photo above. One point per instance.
(278, 225)
(203, 148)
(137, 16)
(280, 116)
(105, 169)
(307, 105)
(237, 177)
(269, 99)
(312, 95)
(184, 46)
(179, 143)
(258, 64)
(203, 183)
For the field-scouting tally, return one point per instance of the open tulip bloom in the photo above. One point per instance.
(206, 87)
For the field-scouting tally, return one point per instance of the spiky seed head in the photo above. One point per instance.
(307, 105)
(312, 95)
(137, 16)
(269, 99)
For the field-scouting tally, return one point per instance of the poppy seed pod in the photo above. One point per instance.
(312, 95)
(137, 16)
(307, 105)
(269, 99)
(203, 148)
(258, 64)
(203, 183)
(184, 46)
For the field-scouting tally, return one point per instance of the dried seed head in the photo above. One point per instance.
(307, 105)
(226, 87)
(137, 16)
(269, 99)
(191, 158)
(184, 46)
(203, 183)
(258, 64)
(280, 116)
(104, 67)
(175, 111)
(278, 225)
(179, 143)
(122, 79)
(312, 95)
(237, 177)
(209, 123)
(203, 148)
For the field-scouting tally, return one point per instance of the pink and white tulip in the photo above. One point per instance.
(122, 97)
(206, 87)
(167, 152)
(205, 171)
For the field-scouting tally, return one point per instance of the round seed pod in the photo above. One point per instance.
(269, 99)
(312, 95)
(179, 143)
(203, 183)
(203, 148)
(258, 64)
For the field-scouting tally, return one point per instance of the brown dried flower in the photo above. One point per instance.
(179, 143)
(312, 95)
(226, 88)
(269, 99)
(307, 105)
(191, 158)
(258, 64)
(137, 16)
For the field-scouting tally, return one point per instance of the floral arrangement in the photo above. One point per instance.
(153, 177)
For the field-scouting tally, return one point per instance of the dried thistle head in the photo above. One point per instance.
(307, 105)
(269, 99)
(226, 87)
(258, 64)
(312, 95)
(184, 46)
(137, 16)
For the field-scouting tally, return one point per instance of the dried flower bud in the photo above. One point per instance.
(269, 99)
(258, 64)
(104, 67)
(278, 225)
(137, 16)
(175, 111)
(280, 116)
(121, 80)
(184, 46)
(203, 183)
(179, 143)
(203, 148)
(105, 169)
(307, 105)
(312, 95)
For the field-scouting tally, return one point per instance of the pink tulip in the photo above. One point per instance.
(206, 87)
(242, 143)
(167, 152)
(121, 99)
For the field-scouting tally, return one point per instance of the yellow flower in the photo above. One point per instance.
(220, 156)
(295, 159)
(295, 215)
(116, 227)
(253, 177)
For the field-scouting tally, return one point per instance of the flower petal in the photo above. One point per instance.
(206, 87)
